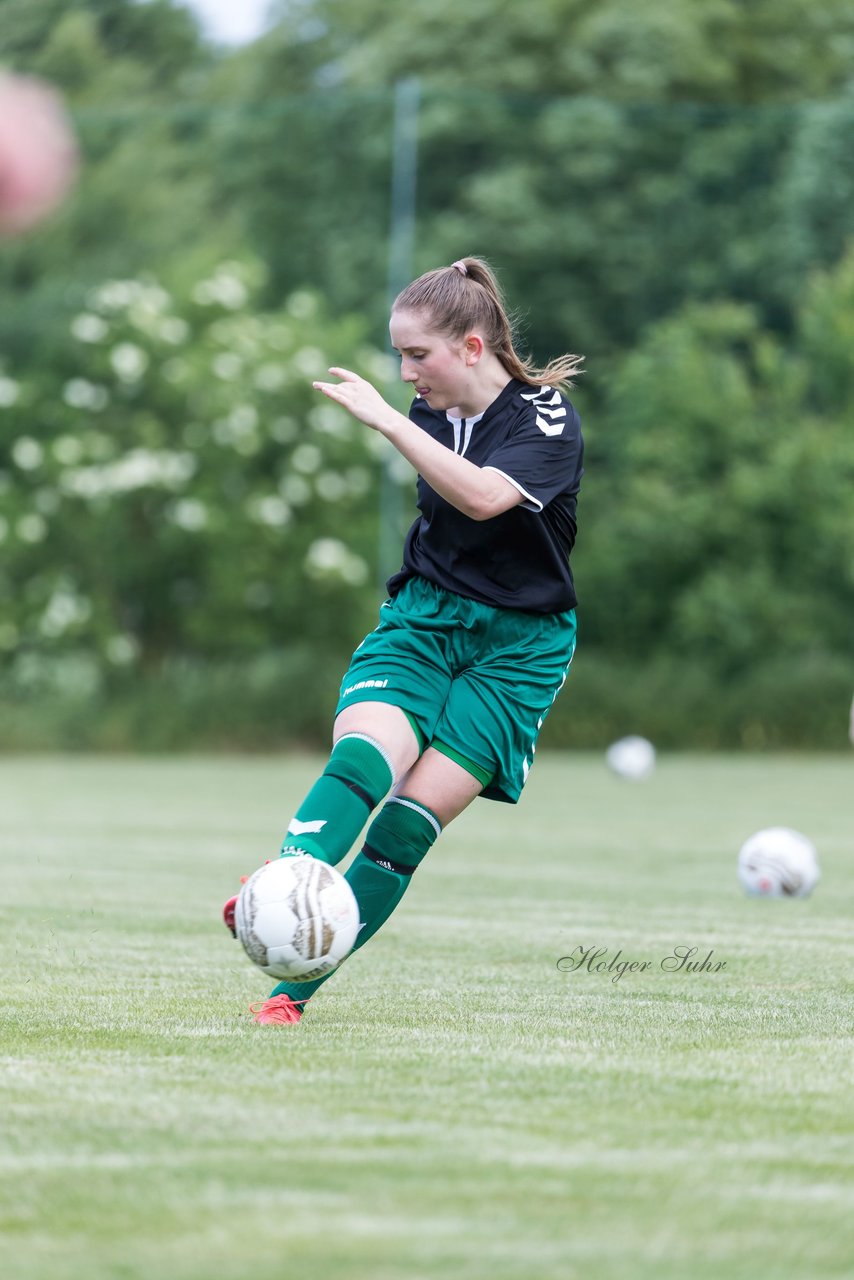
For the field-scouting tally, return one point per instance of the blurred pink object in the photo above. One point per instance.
(38, 152)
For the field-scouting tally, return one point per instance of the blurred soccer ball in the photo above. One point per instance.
(778, 862)
(297, 918)
(38, 152)
(631, 757)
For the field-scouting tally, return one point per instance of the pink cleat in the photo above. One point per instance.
(278, 1009)
(228, 912)
(230, 908)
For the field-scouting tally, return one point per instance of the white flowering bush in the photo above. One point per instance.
(175, 489)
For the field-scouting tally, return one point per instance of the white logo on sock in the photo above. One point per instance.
(298, 828)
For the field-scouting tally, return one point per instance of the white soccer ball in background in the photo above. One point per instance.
(297, 918)
(778, 862)
(631, 757)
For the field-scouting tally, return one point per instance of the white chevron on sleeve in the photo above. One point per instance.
(551, 411)
(541, 396)
(550, 428)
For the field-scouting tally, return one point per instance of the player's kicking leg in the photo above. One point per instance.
(373, 745)
(433, 792)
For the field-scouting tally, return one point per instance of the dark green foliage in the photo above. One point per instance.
(721, 525)
(174, 490)
(667, 189)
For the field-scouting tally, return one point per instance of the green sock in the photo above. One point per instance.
(398, 839)
(336, 808)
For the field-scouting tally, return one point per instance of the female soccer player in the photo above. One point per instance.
(443, 702)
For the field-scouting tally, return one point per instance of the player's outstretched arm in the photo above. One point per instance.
(478, 493)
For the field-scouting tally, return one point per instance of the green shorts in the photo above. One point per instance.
(475, 681)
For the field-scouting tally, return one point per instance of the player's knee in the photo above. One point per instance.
(383, 723)
(363, 765)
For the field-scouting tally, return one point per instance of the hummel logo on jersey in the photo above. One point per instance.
(297, 828)
(365, 684)
(551, 411)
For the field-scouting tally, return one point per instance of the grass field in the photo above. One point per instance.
(454, 1104)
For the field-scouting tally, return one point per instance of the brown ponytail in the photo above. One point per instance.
(465, 298)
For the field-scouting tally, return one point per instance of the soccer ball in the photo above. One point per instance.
(297, 918)
(631, 757)
(778, 862)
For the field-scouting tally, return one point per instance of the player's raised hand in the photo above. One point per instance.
(358, 396)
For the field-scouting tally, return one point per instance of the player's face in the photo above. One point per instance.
(435, 366)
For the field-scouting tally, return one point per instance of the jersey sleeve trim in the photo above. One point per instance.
(531, 503)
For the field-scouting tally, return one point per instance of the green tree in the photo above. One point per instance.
(699, 51)
(103, 50)
(144, 189)
(175, 487)
(816, 198)
(722, 526)
(614, 160)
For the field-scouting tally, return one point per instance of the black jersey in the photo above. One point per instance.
(519, 559)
